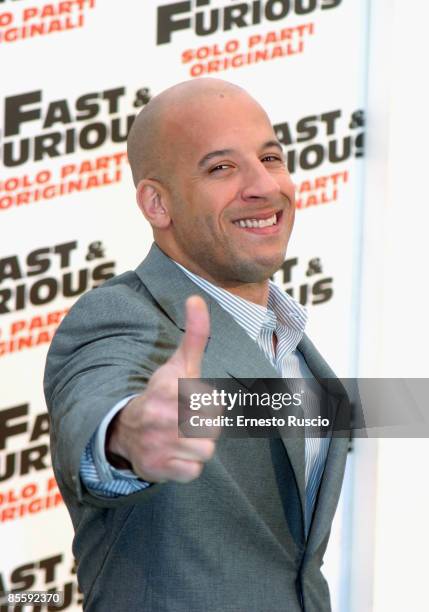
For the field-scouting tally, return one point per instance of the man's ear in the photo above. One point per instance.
(151, 199)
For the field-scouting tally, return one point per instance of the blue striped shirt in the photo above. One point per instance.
(283, 316)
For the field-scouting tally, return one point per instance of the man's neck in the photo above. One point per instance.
(253, 292)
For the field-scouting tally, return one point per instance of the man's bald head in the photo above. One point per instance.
(206, 163)
(150, 150)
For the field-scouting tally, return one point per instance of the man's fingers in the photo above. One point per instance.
(183, 461)
(196, 335)
(184, 471)
(195, 449)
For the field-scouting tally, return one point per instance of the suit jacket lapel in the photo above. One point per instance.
(332, 478)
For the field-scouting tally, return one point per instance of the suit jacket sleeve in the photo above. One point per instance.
(107, 348)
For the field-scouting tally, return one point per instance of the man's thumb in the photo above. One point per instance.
(196, 334)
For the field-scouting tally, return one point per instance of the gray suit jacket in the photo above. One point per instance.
(233, 539)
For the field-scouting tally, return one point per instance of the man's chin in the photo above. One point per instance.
(259, 270)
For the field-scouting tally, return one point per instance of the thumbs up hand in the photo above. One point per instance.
(189, 355)
(145, 432)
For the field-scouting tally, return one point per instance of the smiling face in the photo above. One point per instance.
(229, 200)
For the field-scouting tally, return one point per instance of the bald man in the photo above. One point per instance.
(184, 524)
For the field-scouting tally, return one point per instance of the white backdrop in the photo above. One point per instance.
(391, 538)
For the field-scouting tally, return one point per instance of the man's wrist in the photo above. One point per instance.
(114, 457)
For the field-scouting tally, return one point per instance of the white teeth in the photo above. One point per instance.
(256, 222)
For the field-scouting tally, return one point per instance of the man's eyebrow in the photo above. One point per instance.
(204, 160)
(273, 143)
(220, 152)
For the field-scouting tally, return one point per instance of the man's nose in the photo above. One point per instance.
(259, 183)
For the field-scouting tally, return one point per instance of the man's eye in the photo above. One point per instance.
(219, 167)
(273, 158)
